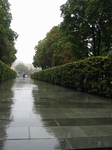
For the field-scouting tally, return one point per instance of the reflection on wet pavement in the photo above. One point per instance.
(40, 116)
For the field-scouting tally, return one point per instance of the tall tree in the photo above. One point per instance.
(54, 50)
(51, 46)
(57, 47)
(75, 27)
(40, 59)
(88, 26)
(7, 35)
(99, 16)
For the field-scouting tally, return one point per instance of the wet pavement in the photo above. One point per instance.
(39, 116)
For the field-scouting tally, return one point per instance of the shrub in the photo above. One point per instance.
(92, 75)
(6, 73)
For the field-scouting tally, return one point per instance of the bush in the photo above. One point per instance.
(6, 73)
(110, 55)
(92, 75)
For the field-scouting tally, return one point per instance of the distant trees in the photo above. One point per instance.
(23, 69)
(7, 35)
(86, 31)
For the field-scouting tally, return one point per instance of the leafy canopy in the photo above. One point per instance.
(88, 26)
(7, 35)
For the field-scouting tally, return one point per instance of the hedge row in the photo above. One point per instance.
(6, 73)
(92, 75)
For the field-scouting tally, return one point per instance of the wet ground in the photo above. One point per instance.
(40, 116)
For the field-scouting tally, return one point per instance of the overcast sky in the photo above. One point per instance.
(32, 19)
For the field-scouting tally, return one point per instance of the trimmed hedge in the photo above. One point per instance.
(92, 75)
(6, 73)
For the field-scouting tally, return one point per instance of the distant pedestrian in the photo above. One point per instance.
(23, 75)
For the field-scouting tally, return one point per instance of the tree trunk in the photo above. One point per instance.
(94, 42)
(99, 37)
(99, 42)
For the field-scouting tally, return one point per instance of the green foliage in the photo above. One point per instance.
(40, 59)
(92, 75)
(6, 73)
(88, 26)
(7, 35)
(110, 55)
(75, 27)
(53, 50)
(23, 69)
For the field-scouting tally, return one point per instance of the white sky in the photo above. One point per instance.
(32, 19)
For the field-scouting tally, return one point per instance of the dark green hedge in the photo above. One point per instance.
(92, 75)
(6, 73)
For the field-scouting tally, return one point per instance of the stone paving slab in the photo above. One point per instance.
(72, 105)
(40, 144)
(94, 131)
(30, 122)
(56, 132)
(14, 133)
(91, 143)
(83, 121)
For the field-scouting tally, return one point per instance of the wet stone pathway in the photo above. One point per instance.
(40, 116)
